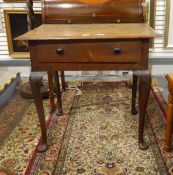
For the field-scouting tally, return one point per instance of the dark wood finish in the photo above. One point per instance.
(130, 51)
(92, 11)
(144, 92)
(142, 64)
(51, 91)
(30, 15)
(89, 66)
(89, 46)
(169, 119)
(35, 82)
(58, 93)
(134, 91)
(63, 81)
(31, 25)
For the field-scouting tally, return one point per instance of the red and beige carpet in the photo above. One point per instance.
(97, 135)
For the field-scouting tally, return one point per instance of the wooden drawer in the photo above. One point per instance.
(119, 51)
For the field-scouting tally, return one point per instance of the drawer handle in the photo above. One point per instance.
(117, 50)
(59, 51)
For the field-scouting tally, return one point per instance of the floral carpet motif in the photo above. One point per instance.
(101, 138)
(19, 148)
(11, 114)
(97, 135)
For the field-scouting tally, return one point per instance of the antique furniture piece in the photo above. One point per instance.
(169, 119)
(91, 35)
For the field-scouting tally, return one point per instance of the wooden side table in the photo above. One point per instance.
(94, 47)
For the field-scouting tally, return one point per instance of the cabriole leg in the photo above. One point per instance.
(63, 81)
(35, 82)
(144, 92)
(58, 93)
(51, 91)
(134, 91)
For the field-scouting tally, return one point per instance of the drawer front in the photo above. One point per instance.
(122, 51)
(63, 53)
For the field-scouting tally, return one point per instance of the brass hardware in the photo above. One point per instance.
(69, 21)
(118, 20)
(93, 15)
(145, 5)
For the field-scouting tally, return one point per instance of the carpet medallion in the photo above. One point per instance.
(97, 135)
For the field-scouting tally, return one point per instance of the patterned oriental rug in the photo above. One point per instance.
(97, 135)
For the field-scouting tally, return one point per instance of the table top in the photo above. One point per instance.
(89, 31)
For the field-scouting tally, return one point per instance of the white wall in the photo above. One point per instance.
(157, 54)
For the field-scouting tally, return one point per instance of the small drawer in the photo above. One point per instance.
(118, 51)
(123, 51)
(63, 52)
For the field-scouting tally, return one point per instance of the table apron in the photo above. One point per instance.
(88, 66)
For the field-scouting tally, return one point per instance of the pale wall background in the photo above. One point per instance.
(161, 58)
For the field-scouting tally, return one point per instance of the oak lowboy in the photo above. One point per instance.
(118, 40)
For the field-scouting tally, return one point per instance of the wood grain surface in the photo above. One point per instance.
(130, 51)
(92, 11)
(89, 31)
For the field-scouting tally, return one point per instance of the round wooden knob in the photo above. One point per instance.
(59, 51)
(117, 50)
